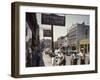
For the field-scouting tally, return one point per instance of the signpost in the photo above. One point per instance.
(51, 19)
(47, 33)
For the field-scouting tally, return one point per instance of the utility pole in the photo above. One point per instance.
(52, 38)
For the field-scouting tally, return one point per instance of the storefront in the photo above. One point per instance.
(84, 45)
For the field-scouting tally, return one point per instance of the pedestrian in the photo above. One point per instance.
(87, 58)
(82, 61)
(74, 58)
(62, 56)
(29, 57)
(53, 60)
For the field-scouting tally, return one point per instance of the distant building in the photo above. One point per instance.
(55, 45)
(76, 33)
(62, 41)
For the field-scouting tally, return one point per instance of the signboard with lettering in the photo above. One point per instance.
(53, 19)
(47, 33)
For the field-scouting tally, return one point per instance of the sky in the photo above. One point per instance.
(59, 31)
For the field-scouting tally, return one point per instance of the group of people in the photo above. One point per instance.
(59, 57)
(78, 58)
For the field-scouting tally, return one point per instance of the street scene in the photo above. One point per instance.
(57, 39)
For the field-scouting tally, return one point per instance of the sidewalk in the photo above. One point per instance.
(68, 60)
(47, 60)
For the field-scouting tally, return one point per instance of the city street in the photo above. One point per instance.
(70, 45)
(48, 60)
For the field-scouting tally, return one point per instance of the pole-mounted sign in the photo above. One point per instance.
(51, 19)
(47, 33)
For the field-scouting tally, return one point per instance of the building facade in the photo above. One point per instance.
(77, 33)
(62, 41)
